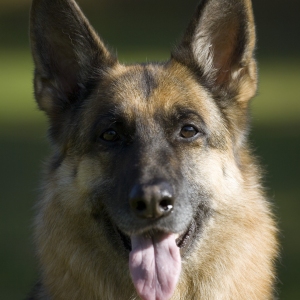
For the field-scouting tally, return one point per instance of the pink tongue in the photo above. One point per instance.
(155, 265)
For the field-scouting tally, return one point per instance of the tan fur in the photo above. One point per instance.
(233, 259)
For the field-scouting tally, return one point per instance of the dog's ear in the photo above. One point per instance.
(68, 55)
(218, 46)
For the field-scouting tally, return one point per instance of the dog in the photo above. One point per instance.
(152, 191)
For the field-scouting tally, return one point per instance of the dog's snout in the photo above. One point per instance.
(151, 201)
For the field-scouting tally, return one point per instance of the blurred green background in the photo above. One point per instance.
(145, 30)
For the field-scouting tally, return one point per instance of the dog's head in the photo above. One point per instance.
(151, 150)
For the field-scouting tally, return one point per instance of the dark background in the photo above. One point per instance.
(141, 30)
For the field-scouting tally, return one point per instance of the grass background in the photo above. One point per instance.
(145, 30)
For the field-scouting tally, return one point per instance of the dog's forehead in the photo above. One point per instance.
(151, 88)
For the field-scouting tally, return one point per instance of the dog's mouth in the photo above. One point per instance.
(183, 241)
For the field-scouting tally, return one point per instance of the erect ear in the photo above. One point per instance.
(218, 45)
(68, 54)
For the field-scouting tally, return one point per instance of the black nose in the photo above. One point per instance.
(151, 201)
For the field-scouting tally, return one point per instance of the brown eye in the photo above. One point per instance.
(110, 135)
(188, 131)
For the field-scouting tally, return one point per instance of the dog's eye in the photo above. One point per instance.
(188, 131)
(110, 135)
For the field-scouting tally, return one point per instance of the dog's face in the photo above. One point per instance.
(145, 128)
(151, 149)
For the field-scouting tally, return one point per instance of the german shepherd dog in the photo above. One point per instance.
(152, 192)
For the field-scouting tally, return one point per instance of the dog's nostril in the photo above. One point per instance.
(166, 205)
(140, 206)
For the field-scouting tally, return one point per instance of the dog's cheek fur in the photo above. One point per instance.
(236, 210)
(64, 222)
